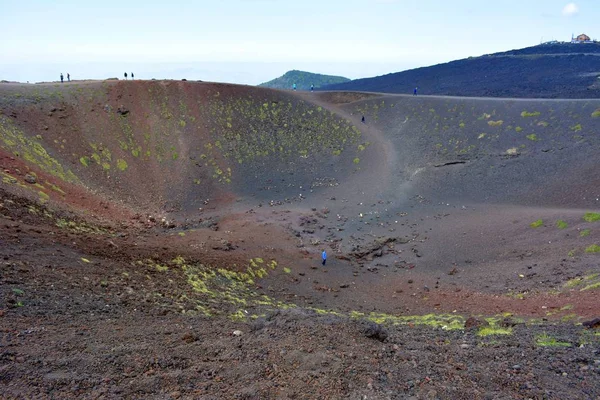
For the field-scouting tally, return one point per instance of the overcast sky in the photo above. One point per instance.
(252, 41)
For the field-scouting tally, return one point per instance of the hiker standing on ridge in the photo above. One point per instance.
(125, 74)
(294, 86)
(68, 77)
(61, 78)
(312, 87)
(132, 76)
(415, 91)
(324, 257)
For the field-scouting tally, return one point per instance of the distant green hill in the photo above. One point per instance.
(303, 80)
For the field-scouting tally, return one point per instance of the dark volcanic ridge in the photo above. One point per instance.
(561, 70)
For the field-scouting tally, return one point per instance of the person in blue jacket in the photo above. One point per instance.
(294, 86)
(415, 91)
(324, 257)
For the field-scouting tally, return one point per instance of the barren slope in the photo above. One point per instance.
(142, 222)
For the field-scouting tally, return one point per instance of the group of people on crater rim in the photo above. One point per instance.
(62, 78)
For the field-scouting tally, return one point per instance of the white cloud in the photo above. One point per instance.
(570, 9)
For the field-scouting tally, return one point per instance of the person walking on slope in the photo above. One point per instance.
(68, 77)
(312, 87)
(415, 91)
(125, 74)
(362, 119)
(132, 76)
(324, 257)
(294, 86)
(61, 78)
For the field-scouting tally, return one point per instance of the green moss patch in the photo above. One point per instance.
(537, 224)
(591, 286)
(591, 217)
(121, 164)
(560, 224)
(494, 331)
(593, 249)
(526, 114)
(545, 340)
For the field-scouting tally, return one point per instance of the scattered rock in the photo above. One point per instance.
(237, 333)
(465, 346)
(122, 111)
(375, 331)
(30, 179)
(189, 338)
(473, 322)
(593, 324)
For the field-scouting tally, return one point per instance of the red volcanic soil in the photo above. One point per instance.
(169, 279)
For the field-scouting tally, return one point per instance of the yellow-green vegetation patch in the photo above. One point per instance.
(545, 340)
(85, 260)
(512, 151)
(281, 129)
(224, 286)
(519, 129)
(517, 295)
(494, 331)
(526, 114)
(43, 197)
(85, 161)
(481, 135)
(181, 233)
(584, 233)
(121, 164)
(537, 224)
(462, 125)
(576, 128)
(571, 283)
(443, 321)
(591, 217)
(55, 187)
(79, 226)
(596, 114)
(533, 137)
(356, 160)
(591, 286)
(286, 270)
(594, 248)
(590, 280)
(495, 123)
(560, 224)
(543, 123)
(32, 151)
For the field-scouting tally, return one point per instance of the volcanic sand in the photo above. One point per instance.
(193, 209)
